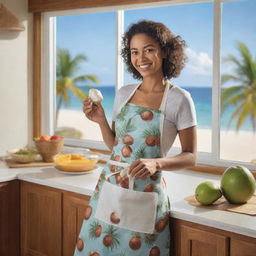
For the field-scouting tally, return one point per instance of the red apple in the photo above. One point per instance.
(55, 137)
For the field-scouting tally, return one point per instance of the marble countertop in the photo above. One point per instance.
(180, 184)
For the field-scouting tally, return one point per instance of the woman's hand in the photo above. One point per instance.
(143, 168)
(94, 112)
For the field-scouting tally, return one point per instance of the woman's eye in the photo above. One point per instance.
(149, 50)
(134, 52)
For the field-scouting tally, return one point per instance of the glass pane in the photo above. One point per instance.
(92, 37)
(194, 23)
(238, 122)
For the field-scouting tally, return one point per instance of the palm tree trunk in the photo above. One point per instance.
(57, 111)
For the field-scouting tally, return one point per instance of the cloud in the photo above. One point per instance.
(198, 62)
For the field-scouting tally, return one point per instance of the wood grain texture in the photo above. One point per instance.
(241, 248)
(41, 220)
(13, 164)
(37, 38)
(57, 5)
(74, 206)
(197, 242)
(10, 218)
(178, 223)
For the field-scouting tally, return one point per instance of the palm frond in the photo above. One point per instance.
(80, 94)
(74, 64)
(225, 78)
(247, 61)
(85, 78)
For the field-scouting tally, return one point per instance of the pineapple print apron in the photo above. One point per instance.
(138, 135)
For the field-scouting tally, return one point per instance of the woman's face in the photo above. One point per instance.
(146, 55)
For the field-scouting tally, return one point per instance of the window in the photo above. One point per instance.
(210, 31)
(238, 120)
(196, 77)
(85, 53)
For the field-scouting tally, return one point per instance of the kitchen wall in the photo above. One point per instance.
(16, 80)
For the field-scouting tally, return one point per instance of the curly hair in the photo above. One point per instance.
(173, 46)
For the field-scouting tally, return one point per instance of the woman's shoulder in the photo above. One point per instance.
(176, 91)
(126, 89)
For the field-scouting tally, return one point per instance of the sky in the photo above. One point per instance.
(94, 35)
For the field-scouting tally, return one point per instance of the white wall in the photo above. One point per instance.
(15, 80)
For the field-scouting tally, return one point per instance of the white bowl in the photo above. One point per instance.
(21, 158)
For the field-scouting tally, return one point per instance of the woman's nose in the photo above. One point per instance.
(141, 56)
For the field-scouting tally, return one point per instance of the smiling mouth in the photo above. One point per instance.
(144, 66)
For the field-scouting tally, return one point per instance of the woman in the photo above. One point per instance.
(146, 119)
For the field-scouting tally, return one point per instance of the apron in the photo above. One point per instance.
(129, 217)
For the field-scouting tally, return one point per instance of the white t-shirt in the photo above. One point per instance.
(179, 112)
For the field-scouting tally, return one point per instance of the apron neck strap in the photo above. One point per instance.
(163, 103)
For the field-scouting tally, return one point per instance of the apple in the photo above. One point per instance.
(44, 138)
(237, 184)
(55, 137)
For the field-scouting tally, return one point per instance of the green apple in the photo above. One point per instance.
(237, 184)
(207, 193)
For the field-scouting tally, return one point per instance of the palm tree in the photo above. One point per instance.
(243, 94)
(66, 79)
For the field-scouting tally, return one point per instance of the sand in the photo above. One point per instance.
(239, 146)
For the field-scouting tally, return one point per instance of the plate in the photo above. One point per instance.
(76, 173)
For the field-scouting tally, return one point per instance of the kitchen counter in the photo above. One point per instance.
(180, 185)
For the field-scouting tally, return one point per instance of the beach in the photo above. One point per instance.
(239, 146)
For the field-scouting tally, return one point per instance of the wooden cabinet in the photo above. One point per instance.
(41, 220)
(196, 242)
(242, 248)
(50, 220)
(73, 215)
(9, 218)
(191, 239)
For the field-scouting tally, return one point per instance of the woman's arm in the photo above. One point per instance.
(187, 157)
(142, 168)
(108, 134)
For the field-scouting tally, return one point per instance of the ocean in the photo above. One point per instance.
(202, 97)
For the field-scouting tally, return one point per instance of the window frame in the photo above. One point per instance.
(48, 70)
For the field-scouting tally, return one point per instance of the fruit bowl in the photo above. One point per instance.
(24, 155)
(75, 162)
(49, 148)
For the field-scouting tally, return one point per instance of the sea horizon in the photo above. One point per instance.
(202, 97)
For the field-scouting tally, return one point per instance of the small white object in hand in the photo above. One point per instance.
(95, 95)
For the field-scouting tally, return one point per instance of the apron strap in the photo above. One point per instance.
(162, 109)
(123, 172)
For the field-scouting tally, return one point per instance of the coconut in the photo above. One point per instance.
(146, 115)
(155, 251)
(88, 212)
(80, 244)
(95, 95)
(128, 140)
(135, 243)
(98, 231)
(149, 188)
(114, 218)
(126, 151)
(107, 240)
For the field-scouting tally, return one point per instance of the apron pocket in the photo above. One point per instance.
(126, 208)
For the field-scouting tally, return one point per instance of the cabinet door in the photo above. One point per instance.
(9, 218)
(242, 248)
(196, 242)
(73, 214)
(40, 220)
